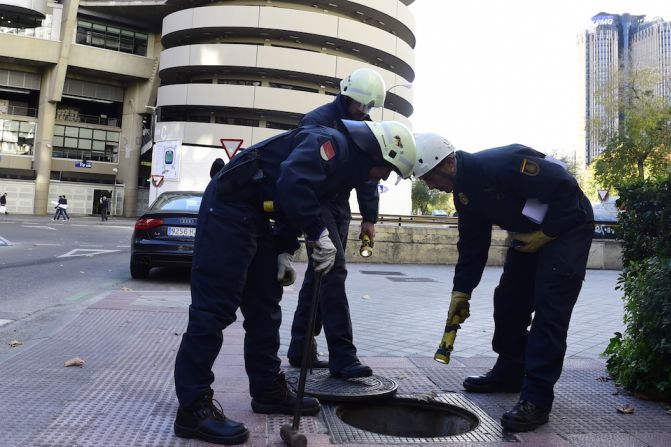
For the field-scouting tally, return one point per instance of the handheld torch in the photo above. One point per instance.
(446, 346)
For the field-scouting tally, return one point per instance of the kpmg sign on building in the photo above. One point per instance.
(603, 19)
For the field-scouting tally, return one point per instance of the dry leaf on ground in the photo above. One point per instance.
(75, 361)
(625, 409)
(15, 343)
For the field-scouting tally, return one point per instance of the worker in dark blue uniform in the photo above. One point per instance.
(241, 261)
(362, 90)
(551, 224)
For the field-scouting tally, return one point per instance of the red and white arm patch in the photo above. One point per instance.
(326, 150)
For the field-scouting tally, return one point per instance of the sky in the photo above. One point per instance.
(494, 72)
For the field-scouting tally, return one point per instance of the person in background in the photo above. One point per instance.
(362, 90)
(104, 207)
(551, 223)
(3, 203)
(241, 260)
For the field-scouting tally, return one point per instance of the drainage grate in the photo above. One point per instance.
(308, 424)
(381, 272)
(410, 279)
(321, 385)
(488, 430)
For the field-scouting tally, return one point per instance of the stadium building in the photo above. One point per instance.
(131, 98)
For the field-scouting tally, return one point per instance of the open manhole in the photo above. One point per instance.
(408, 418)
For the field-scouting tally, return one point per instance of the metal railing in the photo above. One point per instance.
(90, 119)
(20, 111)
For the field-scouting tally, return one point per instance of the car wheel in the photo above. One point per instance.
(139, 271)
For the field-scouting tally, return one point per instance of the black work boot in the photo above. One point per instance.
(314, 361)
(205, 420)
(524, 416)
(280, 399)
(353, 371)
(492, 382)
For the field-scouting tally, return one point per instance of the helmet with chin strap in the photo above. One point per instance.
(394, 140)
(366, 87)
(431, 150)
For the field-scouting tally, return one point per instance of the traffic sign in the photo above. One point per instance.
(231, 145)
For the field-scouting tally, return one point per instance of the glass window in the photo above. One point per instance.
(27, 127)
(113, 136)
(84, 144)
(10, 136)
(71, 131)
(98, 146)
(85, 133)
(70, 142)
(11, 125)
(99, 135)
(59, 130)
(58, 141)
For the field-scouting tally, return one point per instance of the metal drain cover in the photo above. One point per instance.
(321, 385)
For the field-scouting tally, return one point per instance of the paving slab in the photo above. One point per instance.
(124, 394)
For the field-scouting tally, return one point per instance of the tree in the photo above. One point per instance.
(426, 200)
(640, 147)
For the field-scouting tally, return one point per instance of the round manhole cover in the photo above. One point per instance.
(321, 385)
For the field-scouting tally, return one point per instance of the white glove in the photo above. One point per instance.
(286, 275)
(323, 253)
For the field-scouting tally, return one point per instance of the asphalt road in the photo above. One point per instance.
(50, 271)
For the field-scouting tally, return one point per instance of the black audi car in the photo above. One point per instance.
(165, 233)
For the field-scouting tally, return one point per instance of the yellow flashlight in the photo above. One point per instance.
(366, 250)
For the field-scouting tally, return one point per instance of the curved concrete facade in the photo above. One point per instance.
(273, 63)
(247, 70)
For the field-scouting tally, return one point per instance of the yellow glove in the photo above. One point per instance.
(459, 308)
(530, 242)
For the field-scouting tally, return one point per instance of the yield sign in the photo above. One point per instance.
(85, 252)
(603, 194)
(231, 145)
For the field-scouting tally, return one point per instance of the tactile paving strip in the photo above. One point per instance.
(308, 424)
(129, 361)
(321, 385)
(488, 430)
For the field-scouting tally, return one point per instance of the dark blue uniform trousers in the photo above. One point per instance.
(234, 266)
(333, 305)
(548, 283)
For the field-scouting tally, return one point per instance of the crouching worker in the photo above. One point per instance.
(240, 261)
(551, 224)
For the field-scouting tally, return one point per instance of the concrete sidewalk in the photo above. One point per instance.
(124, 395)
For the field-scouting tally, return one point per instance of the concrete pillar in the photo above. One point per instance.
(44, 132)
(51, 89)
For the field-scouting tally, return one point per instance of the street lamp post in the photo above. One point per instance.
(114, 197)
(390, 89)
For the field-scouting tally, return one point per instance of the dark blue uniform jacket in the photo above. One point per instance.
(492, 187)
(329, 115)
(299, 170)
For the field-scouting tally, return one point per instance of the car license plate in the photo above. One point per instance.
(182, 231)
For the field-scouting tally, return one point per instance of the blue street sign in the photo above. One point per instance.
(83, 164)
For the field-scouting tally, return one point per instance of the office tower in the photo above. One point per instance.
(615, 47)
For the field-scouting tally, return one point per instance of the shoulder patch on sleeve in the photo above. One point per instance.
(326, 150)
(529, 167)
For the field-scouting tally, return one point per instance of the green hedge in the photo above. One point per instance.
(640, 359)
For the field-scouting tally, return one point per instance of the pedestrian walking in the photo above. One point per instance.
(551, 224)
(362, 90)
(241, 261)
(104, 206)
(3, 203)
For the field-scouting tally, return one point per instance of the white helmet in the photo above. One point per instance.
(395, 141)
(366, 87)
(431, 150)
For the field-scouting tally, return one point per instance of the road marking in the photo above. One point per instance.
(39, 227)
(85, 252)
(48, 245)
(4, 241)
(3, 322)
(123, 246)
